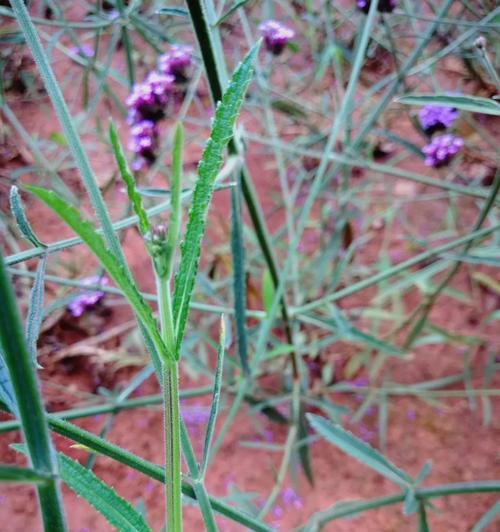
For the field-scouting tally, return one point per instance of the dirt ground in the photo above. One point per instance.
(452, 434)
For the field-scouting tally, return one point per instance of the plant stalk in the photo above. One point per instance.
(29, 405)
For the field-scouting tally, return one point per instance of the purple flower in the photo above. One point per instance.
(276, 35)
(83, 51)
(148, 99)
(143, 142)
(89, 298)
(441, 150)
(290, 498)
(384, 6)
(176, 62)
(434, 118)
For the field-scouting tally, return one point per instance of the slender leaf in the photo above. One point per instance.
(127, 176)
(475, 104)
(35, 308)
(95, 243)
(359, 450)
(16, 206)
(222, 128)
(6, 391)
(492, 514)
(214, 409)
(239, 279)
(22, 475)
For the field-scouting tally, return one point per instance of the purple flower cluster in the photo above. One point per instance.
(441, 150)
(384, 6)
(148, 101)
(434, 118)
(176, 62)
(89, 298)
(143, 142)
(276, 35)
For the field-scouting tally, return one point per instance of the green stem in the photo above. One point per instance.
(171, 411)
(29, 405)
(172, 448)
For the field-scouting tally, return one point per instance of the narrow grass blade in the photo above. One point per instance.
(22, 475)
(16, 206)
(128, 178)
(474, 104)
(239, 280)
(488, 518)
(222, 129)
(214, 409)
(35, 308)
(95, 243)
(174, 225)
(359, 450)
(117, 511)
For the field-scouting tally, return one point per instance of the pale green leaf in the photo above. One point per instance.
(474, 104)
(359, 450)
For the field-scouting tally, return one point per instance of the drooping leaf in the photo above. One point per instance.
(359, 450)
(127, 176)
(222, 130)
(16, 206)
(474, 104)
(95, 243)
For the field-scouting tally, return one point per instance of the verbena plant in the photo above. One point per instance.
(175, 267)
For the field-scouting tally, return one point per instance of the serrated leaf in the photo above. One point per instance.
(361, 451)
(128, 178)
(16, 206)
(474, 104)
(222, 129)
(95, 243)
(117, 511)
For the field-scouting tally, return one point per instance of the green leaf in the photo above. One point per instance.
(239, 279)
(16, 206)
(117, 511)
(267, 290)
(21, 475)
(35, 308)
(487, 518)
(288, 108)
(6, 391)
(95, 243)
(222, 130)
(127, 176)
(359, 450)
(214, 409)
(173, 12)
(474, 104)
